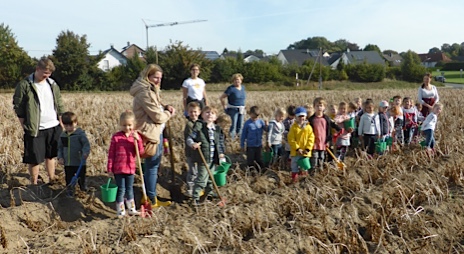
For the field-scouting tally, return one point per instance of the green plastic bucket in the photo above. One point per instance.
(267, 155)
(224, 166)
(380, 146)
(304, 163)
(423, 144)
(109, 192)
(349, 123)
(220, 176)
(389, 141)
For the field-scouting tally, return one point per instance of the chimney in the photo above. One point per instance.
(112, 45)
(128, 44)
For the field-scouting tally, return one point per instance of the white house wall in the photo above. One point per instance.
(113, 61)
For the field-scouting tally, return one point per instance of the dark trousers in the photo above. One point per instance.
(369, 143)
(254, 155)
(70, 171)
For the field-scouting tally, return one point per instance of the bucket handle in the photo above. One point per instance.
(108, 183)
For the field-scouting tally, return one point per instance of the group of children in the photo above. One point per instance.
(294, 134)
(309, 131)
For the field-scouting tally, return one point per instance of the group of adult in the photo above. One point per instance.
(38, 105)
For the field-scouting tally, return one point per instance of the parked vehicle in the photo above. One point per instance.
(440, 79)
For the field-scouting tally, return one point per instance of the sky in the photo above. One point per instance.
(269, 25)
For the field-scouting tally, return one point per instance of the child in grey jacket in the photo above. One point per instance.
(275, 134)
(368, 129)
(73, 149)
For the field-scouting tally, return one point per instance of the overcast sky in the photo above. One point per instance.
(270, 25)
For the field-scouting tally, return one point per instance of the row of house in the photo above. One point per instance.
(113, 57)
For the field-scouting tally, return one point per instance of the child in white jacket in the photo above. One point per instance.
(368, 129)
(429, 125)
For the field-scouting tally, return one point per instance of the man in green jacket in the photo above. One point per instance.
(38, 105)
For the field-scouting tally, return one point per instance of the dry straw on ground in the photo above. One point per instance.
(399, 203)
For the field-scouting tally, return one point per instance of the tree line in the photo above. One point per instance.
(77, 70)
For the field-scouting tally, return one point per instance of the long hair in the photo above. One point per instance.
(150, 70)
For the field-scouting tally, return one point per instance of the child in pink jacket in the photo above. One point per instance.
(121, 162)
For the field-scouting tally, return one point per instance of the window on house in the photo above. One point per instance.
(140, 54)
(106, 65)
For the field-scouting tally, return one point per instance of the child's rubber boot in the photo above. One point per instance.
(294, 177)
(158, 203)
(131, 207)
(120, 209)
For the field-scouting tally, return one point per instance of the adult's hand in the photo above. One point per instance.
(171, 109)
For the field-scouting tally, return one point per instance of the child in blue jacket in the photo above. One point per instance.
(252, 137)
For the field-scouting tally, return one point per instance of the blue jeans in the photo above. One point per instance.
(429, 138)
(278, 152)
(125, 185)
(237, 121)
(408, 134)
(150, 176)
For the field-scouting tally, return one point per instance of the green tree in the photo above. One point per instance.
(15, 64)
(176, 60)
(372, 47)
(411, 67)
(75, 68)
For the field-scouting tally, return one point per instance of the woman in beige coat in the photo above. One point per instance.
(151, 116)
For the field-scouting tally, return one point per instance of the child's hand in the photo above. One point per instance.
(61, 161)
(136, 135)
(350, 130)
(301, 152)
(195, 146)
(110, 174)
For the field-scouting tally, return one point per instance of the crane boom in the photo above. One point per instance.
(170, 24)
(175, 23)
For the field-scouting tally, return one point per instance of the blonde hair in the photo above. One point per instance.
(438, 105)
(46, 63)
(280, 112)
(127, 115)
(236, 76)
(150, 70)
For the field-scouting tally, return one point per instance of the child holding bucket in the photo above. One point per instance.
(301, 141)
(276, 131)
(321, 125)
(385, 126)
(73, 150)
(208, 137)
(429, 125)
(121, 162)
(193, 111)
(368, 128)
(343, 140)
